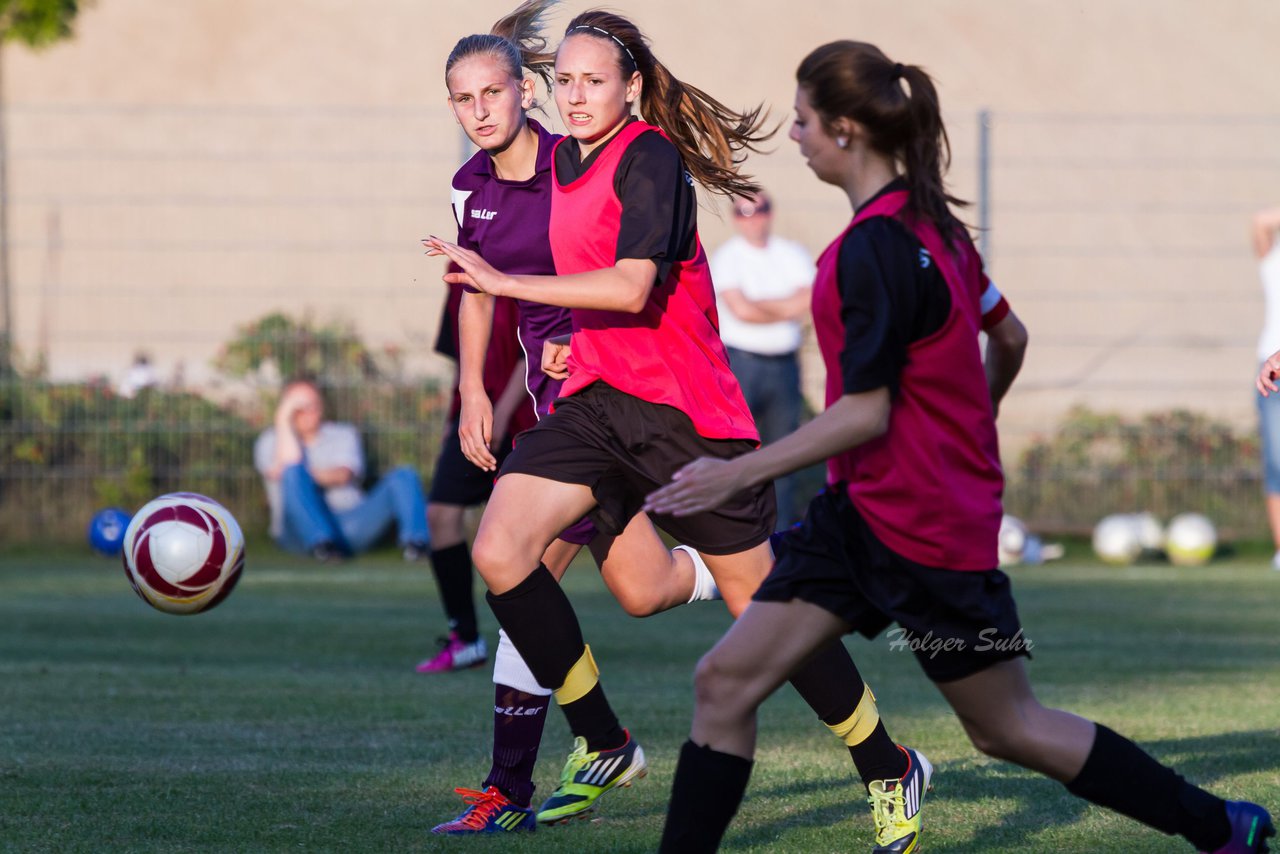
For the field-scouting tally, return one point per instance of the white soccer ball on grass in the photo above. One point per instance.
(1191, 539)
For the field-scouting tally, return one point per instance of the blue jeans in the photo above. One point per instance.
(308, 521)
(1269, 430)
(771, 385)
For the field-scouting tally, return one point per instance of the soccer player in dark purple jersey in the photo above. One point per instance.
(906, 531)
(502, 203)
(648, 388)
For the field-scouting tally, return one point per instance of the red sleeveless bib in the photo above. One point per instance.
(670, 351)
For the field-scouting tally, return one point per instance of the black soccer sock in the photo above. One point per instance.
(518, 721)
(1121, 776)
(452, 568)
(832, 686)
(543, 627)
(705, 795)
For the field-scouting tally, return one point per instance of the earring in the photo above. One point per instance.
(842, 142)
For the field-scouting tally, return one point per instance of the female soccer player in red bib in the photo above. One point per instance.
(502, 202)
(906, 531)
(648, 390)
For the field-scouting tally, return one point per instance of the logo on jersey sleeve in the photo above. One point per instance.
(460, 205)
(925, 258)
(481, 213)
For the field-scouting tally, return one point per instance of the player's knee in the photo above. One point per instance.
(491, 551)
(716, 686)
(502, 558)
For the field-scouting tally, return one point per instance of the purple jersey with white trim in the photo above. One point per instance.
(507, 222)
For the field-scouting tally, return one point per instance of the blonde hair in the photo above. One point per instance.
(515, 40)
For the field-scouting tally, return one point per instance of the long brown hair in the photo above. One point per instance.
(856, 80)
(709, 136)
(516, 41)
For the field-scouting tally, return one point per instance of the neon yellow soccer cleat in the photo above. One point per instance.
(587, 776)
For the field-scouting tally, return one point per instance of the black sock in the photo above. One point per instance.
(878, 757)
(832, 686)
(518, 720)
(1121, 776)
(543, 627)
(705, 795)
(452, 568)
(592, 717)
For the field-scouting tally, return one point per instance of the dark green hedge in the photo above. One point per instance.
(67, 450)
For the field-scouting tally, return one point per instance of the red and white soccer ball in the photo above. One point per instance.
(183, 553)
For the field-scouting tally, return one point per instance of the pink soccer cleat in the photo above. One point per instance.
(456, 655)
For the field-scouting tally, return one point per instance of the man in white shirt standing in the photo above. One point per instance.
(1266, 246)
(763, 285)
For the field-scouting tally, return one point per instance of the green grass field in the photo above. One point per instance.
(290, 718)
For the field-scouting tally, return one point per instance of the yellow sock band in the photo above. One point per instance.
(858, 726)
(582, 677)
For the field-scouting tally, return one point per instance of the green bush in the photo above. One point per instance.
(1166, 463)
(67, 450)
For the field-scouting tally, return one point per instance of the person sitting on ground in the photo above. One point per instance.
(312, 470)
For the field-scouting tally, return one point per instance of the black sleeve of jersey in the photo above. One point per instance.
(889, 301)
(659, 205)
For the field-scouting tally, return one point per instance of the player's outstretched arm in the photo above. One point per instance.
(1006, 348)
(623, 287)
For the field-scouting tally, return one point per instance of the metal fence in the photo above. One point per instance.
(170, 231)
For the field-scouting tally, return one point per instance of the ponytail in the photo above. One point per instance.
(709, 136)
(516, 41)
(898, 106)
(927, 155)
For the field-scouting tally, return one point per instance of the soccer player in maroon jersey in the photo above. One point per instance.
(648, 389)
(906, 531)
(457, 483)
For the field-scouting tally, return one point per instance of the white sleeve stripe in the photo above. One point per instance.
(990, 297)
(460, 205)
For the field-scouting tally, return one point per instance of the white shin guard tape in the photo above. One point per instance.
(509, 668)
(704, 584)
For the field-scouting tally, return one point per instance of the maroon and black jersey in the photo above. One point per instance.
(903, 310)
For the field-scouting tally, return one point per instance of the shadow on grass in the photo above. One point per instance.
(1024, 803)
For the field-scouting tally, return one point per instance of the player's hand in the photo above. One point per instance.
(1267, 375)
(704, 484)
(475, 431)
(476, 272)
(555, 357)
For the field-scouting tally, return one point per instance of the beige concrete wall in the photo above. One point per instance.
(186, 165)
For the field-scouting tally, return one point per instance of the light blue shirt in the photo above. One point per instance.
(336, 444)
